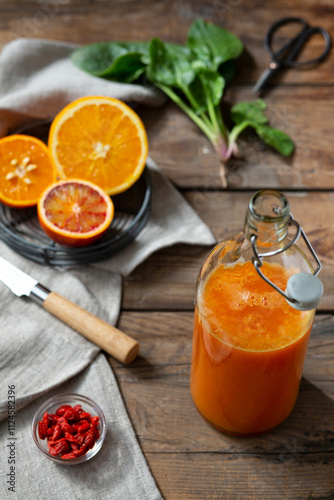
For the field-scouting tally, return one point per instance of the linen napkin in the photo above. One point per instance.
(40, 356)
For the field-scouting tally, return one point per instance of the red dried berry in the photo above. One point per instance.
(56, 432)
(69, 440)
(95, 421)
(82, 427)
(84, 415)
(68, 456)
(65, 426)
(61, 410)
(59, 448)
(42, 429)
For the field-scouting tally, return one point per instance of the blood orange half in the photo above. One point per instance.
(75, 212)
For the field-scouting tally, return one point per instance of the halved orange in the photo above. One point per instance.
(26, 169)
(75, 212)
(99, 139)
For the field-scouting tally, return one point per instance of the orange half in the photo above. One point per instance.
(75, 212)
(99, 139)
(26, 169)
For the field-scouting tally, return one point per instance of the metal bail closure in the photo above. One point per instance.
(304, 290)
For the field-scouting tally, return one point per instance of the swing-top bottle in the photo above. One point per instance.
(255, 303)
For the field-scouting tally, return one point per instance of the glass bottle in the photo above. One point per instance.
(255, 303)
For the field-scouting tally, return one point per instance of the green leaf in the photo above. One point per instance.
(208, 85)
(126, 68)
(213, 85)
(122, 61)
(227, 70)
(170, 64)
(212, 44)
(193, 76)
(276, 139)
(249, 111)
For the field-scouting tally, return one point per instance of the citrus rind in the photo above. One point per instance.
(73, 238)
(66, 155)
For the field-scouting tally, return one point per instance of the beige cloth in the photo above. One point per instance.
(41, 356)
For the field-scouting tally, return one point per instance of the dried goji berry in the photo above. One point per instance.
(56, 432)
(42, 429)
(82, 421)
(95, 421)
(52, 442)
(89, 438)
(69, 440)
(85, 415)
(65, 426)
(82, 427)
(72, 415)
(59, 448)
(80, 439)
(53, 419)
(61, 410)
(68, 456)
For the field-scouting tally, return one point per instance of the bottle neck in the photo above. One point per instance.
(267, 218)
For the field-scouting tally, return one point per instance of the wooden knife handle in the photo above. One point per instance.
(109, 338)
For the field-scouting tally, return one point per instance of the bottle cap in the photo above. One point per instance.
(306, 289)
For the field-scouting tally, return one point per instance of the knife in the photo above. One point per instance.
(105, 336)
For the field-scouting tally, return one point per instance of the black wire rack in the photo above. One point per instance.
(21, 231)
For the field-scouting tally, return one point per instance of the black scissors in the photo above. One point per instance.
(285, 57)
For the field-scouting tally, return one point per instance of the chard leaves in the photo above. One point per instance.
(121, 61)
(276, 139)
(212, 44)
(170, 65)
(249, 111)
(194, 76)
(250, 114)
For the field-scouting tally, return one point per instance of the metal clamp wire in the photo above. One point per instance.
(257, 259)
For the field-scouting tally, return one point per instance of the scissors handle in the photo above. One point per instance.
(278, 55)
(287, 54)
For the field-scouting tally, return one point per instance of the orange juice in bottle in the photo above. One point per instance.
(255, 303)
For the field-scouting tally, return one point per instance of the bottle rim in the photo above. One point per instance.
(278, 213)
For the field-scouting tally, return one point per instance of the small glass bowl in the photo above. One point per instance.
(51, 406)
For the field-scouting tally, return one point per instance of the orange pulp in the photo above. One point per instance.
(249, 348)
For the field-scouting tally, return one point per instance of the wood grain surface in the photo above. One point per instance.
(191, 460)
(188, 459)
(303, 112)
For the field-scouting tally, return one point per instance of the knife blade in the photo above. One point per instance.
(107, 337)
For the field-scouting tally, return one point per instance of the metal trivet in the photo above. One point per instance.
(21, 231)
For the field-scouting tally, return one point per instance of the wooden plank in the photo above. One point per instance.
(243, 477)
(187, 457)
(165, 339)
(88, 22)
(175, 143)
(303, 114)
(167, 279)
(255, 58)
(155, 388)
(189, 159)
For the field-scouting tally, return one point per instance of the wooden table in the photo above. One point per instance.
(188, 458)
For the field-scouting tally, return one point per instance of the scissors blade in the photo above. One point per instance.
(265, 77)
